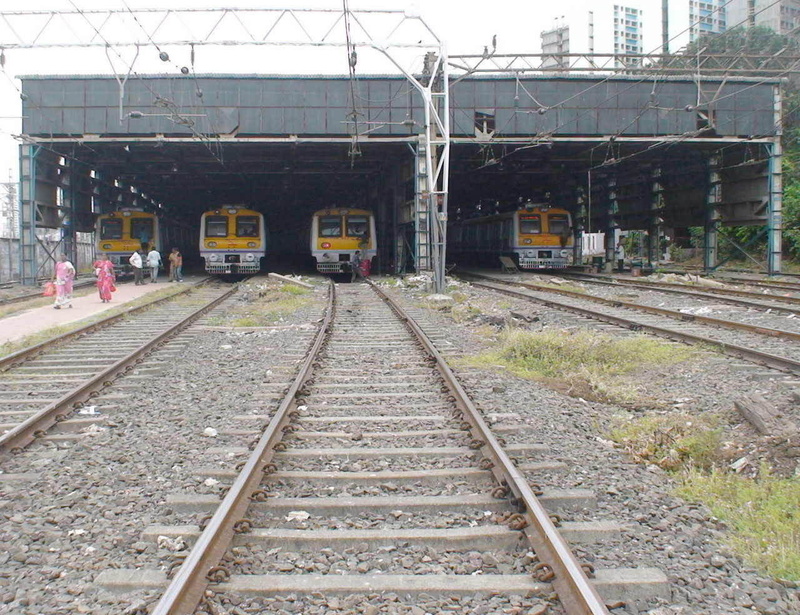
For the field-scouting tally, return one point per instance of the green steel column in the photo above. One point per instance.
(28, 266)
(611, 225)
(775, 207)
(713, 200)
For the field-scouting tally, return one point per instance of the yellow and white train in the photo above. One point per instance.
(536, 236)
(337, 233)
(120, 233)
(232, 240)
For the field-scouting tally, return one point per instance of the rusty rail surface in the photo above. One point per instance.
(762, 358)
(557, 564)
(17, 358)
(187, 588)
(37, 424)
(716, 322)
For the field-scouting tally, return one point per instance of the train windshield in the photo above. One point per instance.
(142, 229)
(530, 224)
(111, 228)
(247, 226)
(216, 226)
(330, 226)
(357, 226)
(558, 223)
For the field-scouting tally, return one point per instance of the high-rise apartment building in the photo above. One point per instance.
(782, 16)
(628, 32)
(555, 41)
(707, 17)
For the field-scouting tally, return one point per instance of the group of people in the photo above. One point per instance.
(153, 261)
(104, 271)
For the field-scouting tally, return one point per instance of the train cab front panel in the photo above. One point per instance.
(544, 238)
(120, 233)
(336, 234)
(232, 241)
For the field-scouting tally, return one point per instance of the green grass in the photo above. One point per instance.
(762, 515)
(291, 289)
(582, 364)
(671, 441)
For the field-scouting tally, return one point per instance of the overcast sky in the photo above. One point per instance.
(465, 25)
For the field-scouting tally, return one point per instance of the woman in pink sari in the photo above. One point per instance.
(65, 274)
(104, 269)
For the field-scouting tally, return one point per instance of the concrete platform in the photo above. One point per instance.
(29, 322)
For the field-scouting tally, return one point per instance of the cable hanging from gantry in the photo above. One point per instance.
(352, 59)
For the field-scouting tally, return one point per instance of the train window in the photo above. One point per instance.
(216, 226)
(247, 226)
(111, 228)
(142, 229)
(558, 224)
(357, 226)
(330, 226)
(530, 224)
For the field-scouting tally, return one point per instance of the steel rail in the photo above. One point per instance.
(717, 322)
(37, 424)
(766, 283)
(187, 588)
(756, 356)
(682, 289)
(17, 358)
(575, 592)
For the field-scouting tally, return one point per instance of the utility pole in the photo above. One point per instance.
(665, 26)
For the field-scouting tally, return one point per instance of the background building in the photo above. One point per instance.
(707, 17)
(555, 41)
(628, 32)
(782, 16)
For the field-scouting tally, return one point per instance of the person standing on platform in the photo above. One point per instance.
(175, 266)
(136, 262)
(63, 278)
(620, 252)
(154, 262)
(104, 270)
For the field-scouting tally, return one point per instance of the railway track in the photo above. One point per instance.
(732, 296)
(377, 460)
(777, 349)
(762, 282)
(45, 384)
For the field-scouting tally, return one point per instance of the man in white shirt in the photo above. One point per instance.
(620, 256)
(154, 262)
(136, 262)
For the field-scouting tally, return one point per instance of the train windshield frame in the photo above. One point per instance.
(357, 223)
(330, 226)
(530, 224)
(111, 228)
(247, 226)
(558, 224)
(142, 229)
(216, 226)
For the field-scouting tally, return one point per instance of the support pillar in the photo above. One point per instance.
(713, 200)
(68, 212)
(422, 222)
(655, 231)
(775, 206)
(611, 225)
(28, 265)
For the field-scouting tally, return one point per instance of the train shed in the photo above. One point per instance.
(622, 151)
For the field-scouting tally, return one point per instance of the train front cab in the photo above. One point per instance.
(233, 241)
(544, 239)
(337, 234)
(120, 233)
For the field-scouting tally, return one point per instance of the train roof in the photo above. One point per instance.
(131, 213)
(239, 210)
(329, 211)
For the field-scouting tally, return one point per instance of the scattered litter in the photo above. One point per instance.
(740, 464)
(297, 515)
(90, 410)
(76, 532)
(226, 347)
(210, 432)
(697, 311)
(211, 482)
(93, 430)
(171, 544)
(302, 408)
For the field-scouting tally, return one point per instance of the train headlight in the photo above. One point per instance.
(564, 252)
(251, 244)
(326, 245)
(213, 257)
(107, 246)
(527, 241)
(326, 257)
(249, 257)
(530, 253)
(212, 244)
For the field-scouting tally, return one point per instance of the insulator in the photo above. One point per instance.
(163, 56)
(185, 70)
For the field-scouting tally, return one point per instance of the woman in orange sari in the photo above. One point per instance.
(104, 269)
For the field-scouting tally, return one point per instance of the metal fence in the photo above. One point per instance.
(9, 256)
